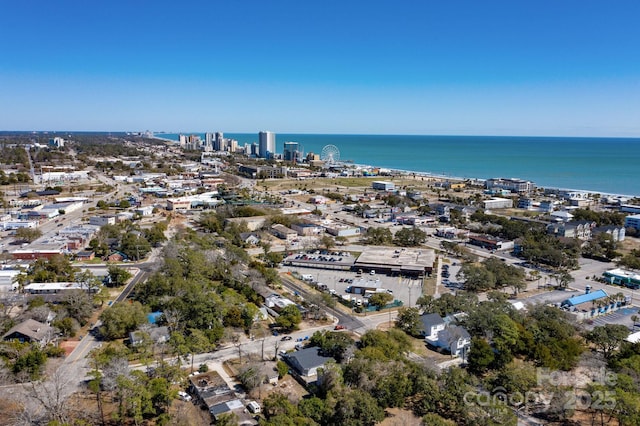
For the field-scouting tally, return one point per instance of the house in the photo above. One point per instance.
(210, 389)
(269, 373)
(561, 216)
(250, 238)
(432, 324)
(306, 362)
(30, 331)
(445, 334)
(85, 255)
(454, 339)
(158, 335)
(617, 232)
(116, 256)
(235, 405)
(576, 229)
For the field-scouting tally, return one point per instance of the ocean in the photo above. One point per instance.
(605, 165)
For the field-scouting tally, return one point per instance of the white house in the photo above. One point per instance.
(432, 324)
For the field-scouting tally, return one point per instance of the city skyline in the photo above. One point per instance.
(463, 68)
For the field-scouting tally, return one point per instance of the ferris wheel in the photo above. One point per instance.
(330, 154)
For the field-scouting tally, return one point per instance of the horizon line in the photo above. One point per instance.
(329, 134)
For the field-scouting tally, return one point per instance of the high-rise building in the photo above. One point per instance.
(219, 142)
(255, 149)
(267, 142)
(293, 152)
(208, 144)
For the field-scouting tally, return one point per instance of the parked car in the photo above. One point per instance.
(184, 396)
(339, 327)
(285, 338)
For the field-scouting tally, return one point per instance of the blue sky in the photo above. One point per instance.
(546, 67)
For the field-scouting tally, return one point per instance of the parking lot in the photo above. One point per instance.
(404, 289)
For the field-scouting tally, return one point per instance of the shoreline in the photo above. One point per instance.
(461, 179)
(482, 180)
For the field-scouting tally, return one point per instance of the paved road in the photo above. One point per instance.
(349, 321)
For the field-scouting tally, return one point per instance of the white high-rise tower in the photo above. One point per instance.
(267, 141)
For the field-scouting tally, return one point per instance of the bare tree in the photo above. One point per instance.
(51, 395)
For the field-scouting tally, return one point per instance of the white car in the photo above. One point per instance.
(184, 396)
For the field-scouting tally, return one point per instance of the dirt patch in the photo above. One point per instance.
(8, 410)
(287, 386)
(68, 346)
(629, 244)
(399, 417)
(84, 406)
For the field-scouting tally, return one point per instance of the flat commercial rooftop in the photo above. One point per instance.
(410, 261)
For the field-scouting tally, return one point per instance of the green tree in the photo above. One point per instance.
(607, 338)
(282, 368)
(334, 344)
(378, 236)
(121, 318)
(476, 277)
(380, 300)
(135, 246)
(289, 318)
(481, 356)
(315, 409)
(155, 235)
(356, 408)
(408, 320)
(410, 237)
(27, 234)
(327, 242)
(117, 276)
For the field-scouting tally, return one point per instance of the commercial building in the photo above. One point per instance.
(203, 201)
(283, 232)
(497, 203)
(262, 172)
(490, 243)
(404, 261)
(102, 220)
(267, 144)
(632, 221)
(56, 142)
(514, 185)
(383, 185)
(8, 279)
(293, 152)
(622, 277)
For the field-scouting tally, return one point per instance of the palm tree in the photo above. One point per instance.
(634, 318)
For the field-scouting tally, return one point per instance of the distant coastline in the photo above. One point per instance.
(605, 166)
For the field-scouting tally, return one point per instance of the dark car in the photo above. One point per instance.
(285, 338)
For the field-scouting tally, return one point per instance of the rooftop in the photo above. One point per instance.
(584, 298)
